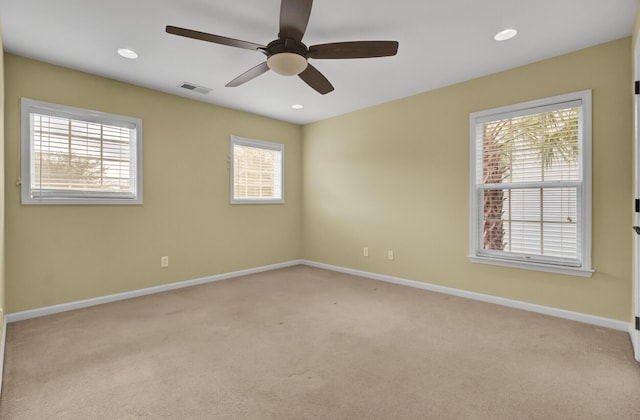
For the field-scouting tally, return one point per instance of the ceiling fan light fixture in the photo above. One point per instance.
(287, 63)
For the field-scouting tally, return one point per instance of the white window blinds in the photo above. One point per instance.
(256, 171)
(79, 156)
(530, 197)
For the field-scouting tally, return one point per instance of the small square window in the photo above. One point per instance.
(78, 156)
(257, 171)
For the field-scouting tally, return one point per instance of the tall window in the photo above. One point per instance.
(78, 156)
(531, 185)
(256, 171)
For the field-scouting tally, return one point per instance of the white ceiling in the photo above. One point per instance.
(441, 43)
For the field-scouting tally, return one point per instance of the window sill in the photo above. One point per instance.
(572, 271)
(80, 201)
(234, 202)
(78, 197)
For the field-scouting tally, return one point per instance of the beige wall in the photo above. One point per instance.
(396, 176)
(393, 176)
(58, 254)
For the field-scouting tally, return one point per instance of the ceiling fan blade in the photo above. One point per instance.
(294, 17)
(356, 49)
(316, 80)
(249, 75)
(203, 36)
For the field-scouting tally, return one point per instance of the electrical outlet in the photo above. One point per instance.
(390, 255)
(164, 262)
(365, 251)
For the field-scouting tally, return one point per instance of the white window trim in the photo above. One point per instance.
(260, 144)
(475, 217)
(29, 106)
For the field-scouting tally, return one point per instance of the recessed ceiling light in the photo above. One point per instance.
(127, 53)
(297, 106)
(505, 35)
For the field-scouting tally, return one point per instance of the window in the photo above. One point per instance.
(531, 185)
(257, 171)
(77, 156)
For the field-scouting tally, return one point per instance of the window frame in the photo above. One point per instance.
(31, 106)
(584, 189)
(260, 144)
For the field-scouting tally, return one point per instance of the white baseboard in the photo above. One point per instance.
(49, 310)
(531, 307)
(634, 341)
(3, 339)
(546, 310)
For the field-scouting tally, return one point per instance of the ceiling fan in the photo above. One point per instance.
(287, 55)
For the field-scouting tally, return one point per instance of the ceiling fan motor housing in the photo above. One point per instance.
(281, 45)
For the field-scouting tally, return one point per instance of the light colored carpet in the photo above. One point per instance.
(305, 343)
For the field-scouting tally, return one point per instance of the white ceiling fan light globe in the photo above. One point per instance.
(287, 63)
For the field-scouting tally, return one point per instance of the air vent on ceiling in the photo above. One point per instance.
(195, 88)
